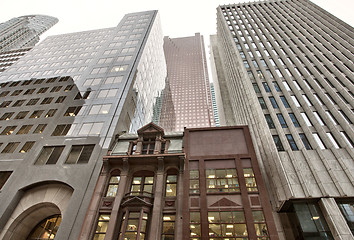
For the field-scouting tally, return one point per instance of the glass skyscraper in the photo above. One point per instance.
(62, 105)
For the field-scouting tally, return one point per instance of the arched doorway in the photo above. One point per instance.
(46, 229)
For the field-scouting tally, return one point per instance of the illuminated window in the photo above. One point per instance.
(260, 225)
(5, 104)
(6, 116)
(113, 186)
(27, 147)
(194, 225)
(102, 226)
(46, 229)
(221, 180)
(142, 184)
(250, 180)
(72, 111)
(8, 130)
(228, 224)
(136, 224)
(171, 185)
(40, 128)
(36, 114)
(194, 181)
(168, 226)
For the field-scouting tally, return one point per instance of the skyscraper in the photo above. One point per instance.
(189, 82)
(62, 105)
(24, 31)
(286, 68)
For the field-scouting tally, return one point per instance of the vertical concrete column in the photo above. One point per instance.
(179, 207)
(118, 200)
(155, 225)
(335, 220)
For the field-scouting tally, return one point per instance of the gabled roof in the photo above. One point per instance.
(151, 128)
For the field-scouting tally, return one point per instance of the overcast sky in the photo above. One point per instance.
(179, 18)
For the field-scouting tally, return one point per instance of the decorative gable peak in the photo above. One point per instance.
(151, 129)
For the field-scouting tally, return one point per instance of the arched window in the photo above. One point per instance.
(113, 184)
(46, 229)
(171, 183)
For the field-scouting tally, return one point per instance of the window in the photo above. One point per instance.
(4, 93)
(68, 88)
(282, 120)
(142, 185)
(5, 104)
(10, 147)
(91, 128)
(266, 87)
(61, 130)
(40, 128)
(333, 140)
(27, 147)
(305, 141)
(48, 228)
(102, 226)
(250, 180)
(193, 181)
(135, 226)
(111, 80)
(80, 154)
(6, 116)
(227, 224)
(49, 155)
(345, 117)
(262, 103)
(318, 140)
(100, 109)
(274, 103)
(24, 129)
(50, 113)
(8, 130)
(171, 185)
(47, 100)
(269, 121)
(168, 226)
(294, 120)
(221, 180)
(148, 146)
(306, 119)
(194, 225)
(113, 186)
(278, 143)
(56, 89)
(291, 142)
(347, 139)
(4, 176)
(19, 103)
(42, 90)
(347, 210)
(307, 100)
(260, 225)
(16, 92)
(60, 99)
(275, 84)
(107, 93)
(72, 111)
(296, 102)
(36, 114)
(319, 119)
(330, 116)
(32, 101)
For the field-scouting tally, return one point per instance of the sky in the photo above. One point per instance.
(179, 18)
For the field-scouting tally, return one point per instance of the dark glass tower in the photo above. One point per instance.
(285, 68)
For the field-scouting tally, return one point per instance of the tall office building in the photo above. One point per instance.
(7, 58)
(24, 31)
(286, 68)
(62, 105)
(189, 82)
